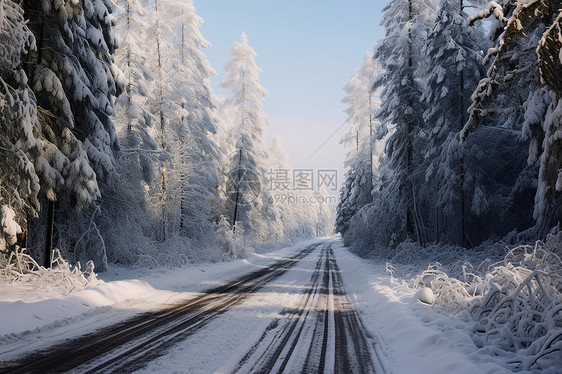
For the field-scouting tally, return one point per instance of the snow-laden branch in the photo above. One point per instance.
(492, 9)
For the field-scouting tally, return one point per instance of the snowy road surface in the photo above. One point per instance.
(286, 309)
(316, 329)
(322, 334)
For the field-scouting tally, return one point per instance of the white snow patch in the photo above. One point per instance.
(425, 295)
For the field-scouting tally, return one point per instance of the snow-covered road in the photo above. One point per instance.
(321, 334)
(317, 330)
(314, 307)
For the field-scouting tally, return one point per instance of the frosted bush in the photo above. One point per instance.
(18, 267)
(451, 293)
(232, 244)
(8, 226)
(521, 310)
(513, 296)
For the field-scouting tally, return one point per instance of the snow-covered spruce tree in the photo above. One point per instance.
(198, 156)
(345, 209)
(74, 79)
(407, 23)
(288, 214)
(133, 120)
(362, 103)
(453, 69)
(515, 70)
(375, 225)
(123, 220)
(19, 184)
(548, 201)
(164, 111)
(246, 204)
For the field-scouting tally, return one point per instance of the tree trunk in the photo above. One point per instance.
(129, 77)
(33, 14)
(49, 229)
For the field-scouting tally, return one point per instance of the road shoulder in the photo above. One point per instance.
(408, 336)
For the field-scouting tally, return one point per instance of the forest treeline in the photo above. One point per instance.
(456, 133)
(114, 148)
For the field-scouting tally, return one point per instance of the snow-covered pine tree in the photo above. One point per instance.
(512, 67)
(19, 184)
(499, 113)
(376, 226)
(548, 200)
(407, 23)
(453, 69)
(362, 104)
(123, 220)
(74, 79)
(166, 111)
(132, 119)
(346, 205)
(279, 186)
(514, 77)
(246, 204)
(197, 161)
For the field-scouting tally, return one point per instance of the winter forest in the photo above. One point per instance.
(115, 149)
(455, 157)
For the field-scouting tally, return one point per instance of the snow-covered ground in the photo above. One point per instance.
(408, 336)
(32, 318)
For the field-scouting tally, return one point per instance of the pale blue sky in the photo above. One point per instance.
(308, 50)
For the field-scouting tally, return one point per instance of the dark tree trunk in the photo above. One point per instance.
(49, 229)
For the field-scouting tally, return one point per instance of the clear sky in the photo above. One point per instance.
(308, 50)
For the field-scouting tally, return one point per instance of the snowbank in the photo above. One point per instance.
(509, 299)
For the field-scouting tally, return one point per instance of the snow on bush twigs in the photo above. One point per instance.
(521, 311)
(17, 266)
(514, 301)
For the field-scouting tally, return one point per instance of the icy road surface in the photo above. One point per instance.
(291, 316)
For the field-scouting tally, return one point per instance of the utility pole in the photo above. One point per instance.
(371, 166)
(162, 120)
(461, 126)
(410, 145)
(237, 198)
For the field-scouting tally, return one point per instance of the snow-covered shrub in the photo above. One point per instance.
(176, 251)
(451, 293)
(521, 310)
(514, 299)
(18, 267)
(80, 238)
(8, 225)
(231, 244)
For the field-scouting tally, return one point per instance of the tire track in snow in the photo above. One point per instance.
(322, 335)
(128, 346)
